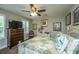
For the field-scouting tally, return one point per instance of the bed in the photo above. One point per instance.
(55, 43)
(37, 45)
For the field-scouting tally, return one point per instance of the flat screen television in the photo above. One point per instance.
(15, 24)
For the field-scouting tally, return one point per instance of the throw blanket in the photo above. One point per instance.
(41, 44)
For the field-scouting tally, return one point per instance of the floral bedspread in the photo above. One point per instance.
(41, 44)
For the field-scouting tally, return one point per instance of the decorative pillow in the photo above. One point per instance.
(70, 40)
(76, 50)
(72, 45)
(61, 43)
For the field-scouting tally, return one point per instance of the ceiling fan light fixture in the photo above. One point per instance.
(33, 14)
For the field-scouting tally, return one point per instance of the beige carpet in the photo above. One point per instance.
(13, 50)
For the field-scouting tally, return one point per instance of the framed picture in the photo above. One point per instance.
(44, 22)
(76, 16)
(57, 26)
(34, 26)
(68, 19)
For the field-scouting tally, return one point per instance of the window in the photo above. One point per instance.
(2, 25)
(26, 26)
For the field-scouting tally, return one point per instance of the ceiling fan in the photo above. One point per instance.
(34, 11)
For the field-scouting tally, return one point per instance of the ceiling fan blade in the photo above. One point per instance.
(25, 11)
(38, 14)
(43, 10)
(31, 5)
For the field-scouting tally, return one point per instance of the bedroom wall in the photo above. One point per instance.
(49, 27)
(8, 16)
(65, 29)
(71, 27)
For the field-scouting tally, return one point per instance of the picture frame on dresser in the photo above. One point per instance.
(76, 16)
(68, 19)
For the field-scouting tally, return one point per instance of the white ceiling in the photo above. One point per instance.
(52, 10)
